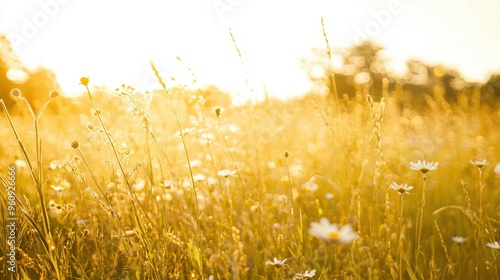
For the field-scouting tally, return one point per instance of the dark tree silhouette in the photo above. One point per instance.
(364, 70)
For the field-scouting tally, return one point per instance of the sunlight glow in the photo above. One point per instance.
(113, 41)
(17, 76)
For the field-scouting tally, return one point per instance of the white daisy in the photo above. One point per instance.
(459, 239)
(331, 232)
(58, 188)
(479, 163)
(306, 275)
(226, 173)
(423, 166)
(276, 263)
(494, 245)
(401, 188)
(199, 177)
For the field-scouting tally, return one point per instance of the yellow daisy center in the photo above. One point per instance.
(333, 235)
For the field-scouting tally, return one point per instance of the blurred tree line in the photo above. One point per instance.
(35, 85)
(363, 70)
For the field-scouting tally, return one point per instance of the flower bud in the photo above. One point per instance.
(84, 81)
(16, 93)
(218, 110)
(75, 144)
(54, 94)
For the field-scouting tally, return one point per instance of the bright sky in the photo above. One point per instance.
(113, 41)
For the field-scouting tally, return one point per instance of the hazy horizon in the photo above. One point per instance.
(113, 42)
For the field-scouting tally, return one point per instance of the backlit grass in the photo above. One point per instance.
(151, 186)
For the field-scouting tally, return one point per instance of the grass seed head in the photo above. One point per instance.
(218, 110)
(54, 94)
(75, 144)
(16, 93)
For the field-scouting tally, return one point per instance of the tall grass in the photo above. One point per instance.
(170, 191)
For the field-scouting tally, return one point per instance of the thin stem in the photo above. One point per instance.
(420, 217)
(479, 239)
(400, 239)
(37, 179)
(197, 211)
(109, 204)
(230, 154)
(133, 195)
(122, 169)
(289, 184)
(332, 74)
(480, 197)
(229, 197)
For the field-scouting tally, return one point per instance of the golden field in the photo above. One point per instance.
(175, 185)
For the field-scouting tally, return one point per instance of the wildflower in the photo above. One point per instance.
(459, 239)
(497, 169)
(331, 232)
(19, 163)
(65, 184)
(479, 164)
(184, 132)
(233, 128)
(306, 275)
(401, 188)
(91, 127)
(423, 166)
(276, 263)
(167, 184)
(52, 204)
(494, 245)
(207, 138)
(58, 188)
(53, 165)
(271, 165)
(139, 184)
(199, 177)
(55, 209)
(226, 173)
(212, 181)
(195, 163)
(310, 186)
(84, 81)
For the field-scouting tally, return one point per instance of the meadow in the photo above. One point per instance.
(173, 185)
